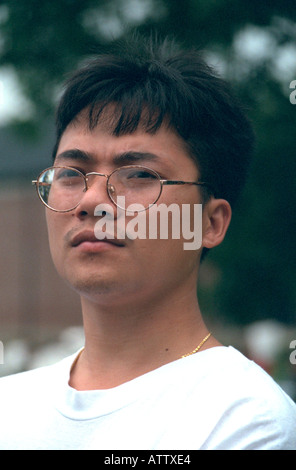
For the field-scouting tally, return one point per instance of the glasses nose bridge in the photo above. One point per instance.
(94, 173)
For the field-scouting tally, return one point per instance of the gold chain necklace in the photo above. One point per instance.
(198, 347)
(185, 355)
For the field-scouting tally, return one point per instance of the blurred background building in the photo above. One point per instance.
(247, 288)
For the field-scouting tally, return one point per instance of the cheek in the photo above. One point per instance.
(174, 266)
(165, 260)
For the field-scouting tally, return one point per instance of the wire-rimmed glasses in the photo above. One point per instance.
(61, 188)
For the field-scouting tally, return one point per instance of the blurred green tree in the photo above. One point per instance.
(254, 45)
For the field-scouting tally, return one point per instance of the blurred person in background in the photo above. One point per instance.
(153, 124)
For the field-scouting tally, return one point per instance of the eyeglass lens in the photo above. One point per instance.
(62, 188)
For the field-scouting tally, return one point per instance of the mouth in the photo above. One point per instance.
(87, 241)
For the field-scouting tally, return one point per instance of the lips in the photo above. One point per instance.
(89, 236)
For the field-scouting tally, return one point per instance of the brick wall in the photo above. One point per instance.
(32, 296)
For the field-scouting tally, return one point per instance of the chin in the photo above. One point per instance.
(93, 286)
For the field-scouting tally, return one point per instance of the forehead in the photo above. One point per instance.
(165, 144)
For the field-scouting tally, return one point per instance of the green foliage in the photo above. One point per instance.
(255, 266)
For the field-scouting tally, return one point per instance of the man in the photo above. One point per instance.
(148, 126)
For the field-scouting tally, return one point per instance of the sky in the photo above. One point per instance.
(12, 101)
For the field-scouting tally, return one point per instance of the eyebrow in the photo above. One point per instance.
(75, 154)
(129, 157)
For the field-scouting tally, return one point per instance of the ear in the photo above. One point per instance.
(216, 219)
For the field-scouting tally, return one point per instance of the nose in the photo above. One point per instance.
(95, 194)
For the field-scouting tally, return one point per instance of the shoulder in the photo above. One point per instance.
(245, 376)
(251, 409)
(27, 385)
(238, 377)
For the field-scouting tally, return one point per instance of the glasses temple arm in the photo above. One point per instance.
(196, 183)
(171, 182)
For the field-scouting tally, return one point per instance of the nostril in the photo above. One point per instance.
(83, 213)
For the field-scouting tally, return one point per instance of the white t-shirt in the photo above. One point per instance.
(215, 399)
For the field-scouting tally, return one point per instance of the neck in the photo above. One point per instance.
(123, 341)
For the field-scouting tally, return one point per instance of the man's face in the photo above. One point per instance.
(129, 269)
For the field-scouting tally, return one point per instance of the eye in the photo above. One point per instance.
(67, 176)
(66, 173)
(141, 174)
